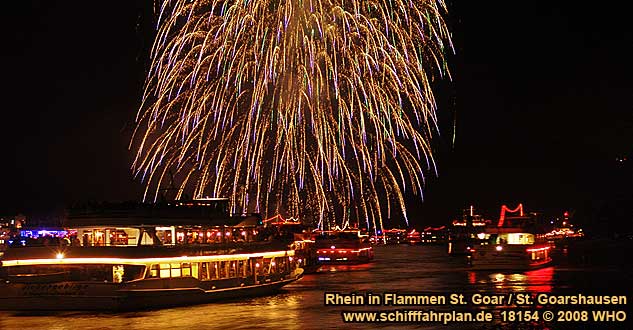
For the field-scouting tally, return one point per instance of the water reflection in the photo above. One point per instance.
(404, 269)
(345, 268)
(541, 280)
(538, 280)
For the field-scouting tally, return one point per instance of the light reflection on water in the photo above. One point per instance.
(539, 280)
(404, 269)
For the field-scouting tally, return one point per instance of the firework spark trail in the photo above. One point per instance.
(281, 104)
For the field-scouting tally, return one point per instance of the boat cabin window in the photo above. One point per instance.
(153, 271)
(104, 237)
(97, 273)
(204, 270)
(520, 238)
(265, 269)
(241, 267)
(117, 273)
(93, 237)
(186, 269)
(176, 271)
(539, 254)
(223, 269)
(173, 270)
(146, 238)
(232, 269)
(165, 270)
(118, 237)
(133, 272)
(273, 265)
(283, 264)
(167, 235)
(124, 273)
(212, 235)
(214, 272)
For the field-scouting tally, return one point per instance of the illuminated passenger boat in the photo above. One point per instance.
(300, 238)
(463, 233)
(414, 237)
(516, 243)
(434, 235)
(564, 232)
(177, 254)
(395, 236)
(389, 236)
(343, 247)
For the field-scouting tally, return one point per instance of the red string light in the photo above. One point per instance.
(505, 209)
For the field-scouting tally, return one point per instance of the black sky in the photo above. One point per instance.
(541, 93)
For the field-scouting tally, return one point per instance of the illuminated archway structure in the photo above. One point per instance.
(505, 209)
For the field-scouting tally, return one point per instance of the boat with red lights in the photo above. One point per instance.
(434, 235)
(300, 238)
(148, 256)
(414, 237)
(389, 236)
(463, 234)
(349, 246)
(517, 242)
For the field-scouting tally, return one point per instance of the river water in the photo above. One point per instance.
(398, 268)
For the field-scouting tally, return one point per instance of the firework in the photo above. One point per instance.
(289, 106)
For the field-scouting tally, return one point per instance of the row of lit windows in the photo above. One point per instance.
(221, 269)
(166, 236)
(211, 236)
(540, 254)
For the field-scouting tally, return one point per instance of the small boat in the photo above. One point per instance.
(343, 247)
(517, 243)
(463, 235)
(564, 232)
(395, 236)
(377, 239)
(434, 235)
(389, 237)
(414, 237)
(148, 257)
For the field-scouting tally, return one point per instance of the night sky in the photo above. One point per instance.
(541, 93)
